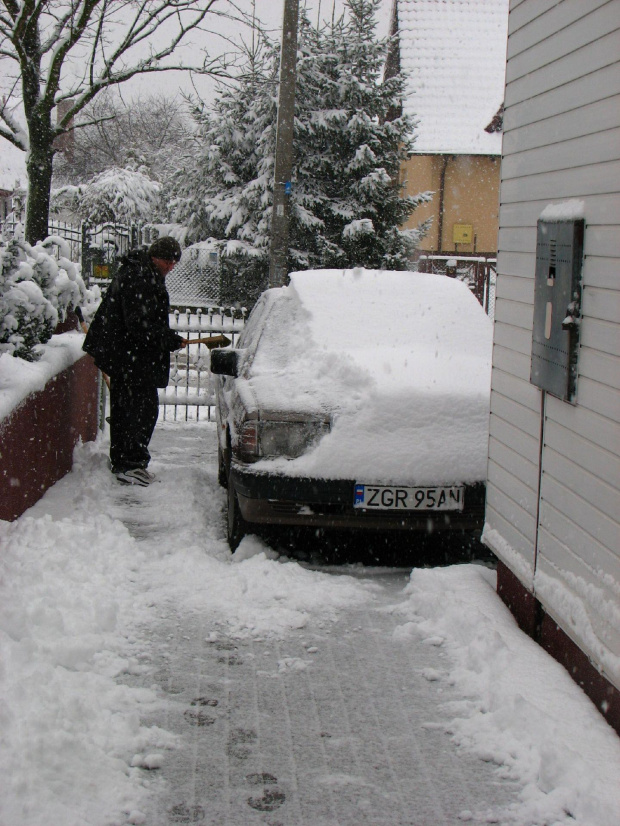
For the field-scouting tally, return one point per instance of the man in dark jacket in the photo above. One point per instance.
(130, 339)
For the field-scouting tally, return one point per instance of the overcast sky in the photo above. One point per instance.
(217, 41)
(269, 12)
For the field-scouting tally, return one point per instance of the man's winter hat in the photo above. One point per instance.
(167, 249)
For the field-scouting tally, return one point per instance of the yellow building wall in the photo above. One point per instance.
(471, 198)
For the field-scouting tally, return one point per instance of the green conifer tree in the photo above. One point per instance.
(346, 207)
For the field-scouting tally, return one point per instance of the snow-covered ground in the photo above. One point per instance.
(92, 576)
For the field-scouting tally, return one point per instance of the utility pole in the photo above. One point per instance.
(284, 147)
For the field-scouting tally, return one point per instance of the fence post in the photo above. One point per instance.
(85, 257)
(487, 285)
(479, 278)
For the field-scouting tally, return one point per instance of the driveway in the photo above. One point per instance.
(333, 724)
(149, 677)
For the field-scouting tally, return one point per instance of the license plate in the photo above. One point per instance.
(377, 497)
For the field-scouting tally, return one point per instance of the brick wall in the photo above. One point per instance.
(534, 621)
(38, 437)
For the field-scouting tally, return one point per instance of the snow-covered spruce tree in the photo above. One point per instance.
(224, 190)
(348, 206)
(346, 202)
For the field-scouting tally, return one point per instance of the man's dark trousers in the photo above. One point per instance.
(134, 411)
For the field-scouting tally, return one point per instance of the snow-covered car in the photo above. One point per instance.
(356, 399)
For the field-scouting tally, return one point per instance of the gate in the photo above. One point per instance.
(103, 246)
(190, 394)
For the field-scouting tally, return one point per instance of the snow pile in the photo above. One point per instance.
(518, 708)
(571, 210)
(261, 595)
(565, 594)
(77, 590)
(68, 731)
(19, 378)
(402, 363)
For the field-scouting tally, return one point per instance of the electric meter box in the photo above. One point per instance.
(463, 234)
(557, 305)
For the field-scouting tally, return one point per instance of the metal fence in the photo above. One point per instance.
(196, 281)
(97, 248)
(478, 272)
(190, 394)
(72, 234)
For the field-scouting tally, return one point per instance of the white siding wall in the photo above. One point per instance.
(558, 529)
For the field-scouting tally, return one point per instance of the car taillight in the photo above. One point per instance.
(272, 439)
(248, 439)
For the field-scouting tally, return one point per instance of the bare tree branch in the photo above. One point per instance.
(71, 50)
(12, 131)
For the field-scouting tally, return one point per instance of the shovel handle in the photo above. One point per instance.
(84, 326)
(211, 342)
(80, 318)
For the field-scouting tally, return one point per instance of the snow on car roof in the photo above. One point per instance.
(400, 360)
(373, 314)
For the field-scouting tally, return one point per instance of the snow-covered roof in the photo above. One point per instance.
(454, 52)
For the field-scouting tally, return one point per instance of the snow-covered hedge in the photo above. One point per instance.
(36, 291)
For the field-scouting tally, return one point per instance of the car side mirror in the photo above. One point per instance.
(224, 362)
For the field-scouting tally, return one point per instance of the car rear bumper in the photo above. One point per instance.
(282, 500)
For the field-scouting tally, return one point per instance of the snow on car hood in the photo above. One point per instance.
(400, 361)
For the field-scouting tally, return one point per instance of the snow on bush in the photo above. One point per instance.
(36, 290)
(123, 195)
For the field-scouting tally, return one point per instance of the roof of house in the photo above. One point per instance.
(454, 54)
